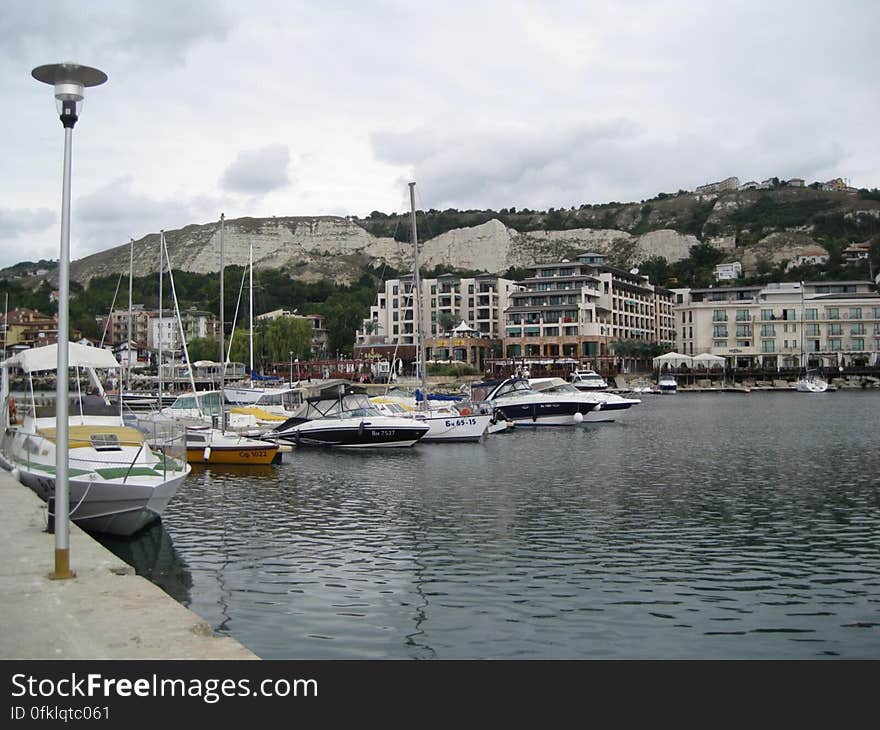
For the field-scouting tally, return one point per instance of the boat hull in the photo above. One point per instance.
(361, 436)
(231, 454)
(545, 413)
(113, 508)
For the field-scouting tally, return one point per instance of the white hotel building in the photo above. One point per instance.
(835, 323)
(578, 309)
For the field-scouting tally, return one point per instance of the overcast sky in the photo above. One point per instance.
(307, 108)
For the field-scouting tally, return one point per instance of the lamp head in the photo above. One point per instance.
(69, 80)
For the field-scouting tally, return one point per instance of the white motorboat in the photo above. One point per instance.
(612, 405)
(446, 421)
(811, 383)
(117, 482)
(667, 384)
(588, 380)
(347, 421)
(204, 407)
(515, 400)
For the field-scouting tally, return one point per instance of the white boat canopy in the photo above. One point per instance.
(708, 360)
(46, 358)
(673, 359)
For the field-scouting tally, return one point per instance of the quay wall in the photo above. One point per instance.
(105, 612)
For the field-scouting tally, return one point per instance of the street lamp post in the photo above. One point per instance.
(69, 80)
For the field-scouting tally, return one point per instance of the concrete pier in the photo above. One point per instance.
(105, 612)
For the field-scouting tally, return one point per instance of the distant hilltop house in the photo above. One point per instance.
(729, 271)
(815, 255)
(730, 183)
(856, 252)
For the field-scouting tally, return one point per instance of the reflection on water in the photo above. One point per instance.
(153, 556)
(700, 526)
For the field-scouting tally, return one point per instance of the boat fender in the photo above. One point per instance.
(16, 474)
(465, 411)
(578, 417)
(206, 454)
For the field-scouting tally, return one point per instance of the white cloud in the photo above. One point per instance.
(14, 223)
(294, 108)
(257, 172)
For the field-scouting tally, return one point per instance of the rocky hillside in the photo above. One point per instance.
(756, 227)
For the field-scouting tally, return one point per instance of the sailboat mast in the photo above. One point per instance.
(159, 358)
(222, 328)
(417, 294)
(251, 304)
(130, 332)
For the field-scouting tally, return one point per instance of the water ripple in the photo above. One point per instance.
(703, 526)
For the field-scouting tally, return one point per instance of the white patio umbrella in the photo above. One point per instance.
(673, 359)
(707, 360)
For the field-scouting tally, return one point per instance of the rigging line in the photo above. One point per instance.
(425, 217)
(180, 327)
(235, 316)
(110, 314)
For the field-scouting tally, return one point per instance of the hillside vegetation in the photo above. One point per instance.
(761, 228)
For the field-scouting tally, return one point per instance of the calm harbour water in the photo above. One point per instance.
(699, 526)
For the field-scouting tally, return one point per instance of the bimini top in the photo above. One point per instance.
(46, 358)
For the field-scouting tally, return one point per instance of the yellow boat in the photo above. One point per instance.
(212, 446)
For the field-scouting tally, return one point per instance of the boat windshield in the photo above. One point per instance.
(512, 389)
(349, 406)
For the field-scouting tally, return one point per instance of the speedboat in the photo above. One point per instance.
(446, 421)
(667, 384)
(205, 406)
(347, 421)
(811, 383)
(611, 404)
(588, 380)
(117, 483)
(514, 399)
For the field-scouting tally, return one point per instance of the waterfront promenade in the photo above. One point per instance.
(106, 612)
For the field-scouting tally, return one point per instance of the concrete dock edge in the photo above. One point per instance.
(105, 612)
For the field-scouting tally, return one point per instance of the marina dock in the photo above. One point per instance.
(105, 612)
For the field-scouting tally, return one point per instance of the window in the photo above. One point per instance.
(743, 343)
(742, 315)
(835, 345)
(832, 313)
(812, 314)
(766, 314)
(855, 312)
(743, 330)
(812, 330)
(718, 315)
(768, 330)
(857, 329)
(719, 330)
(719, 343)
(768, 346)
(857, 344)
(835, 329)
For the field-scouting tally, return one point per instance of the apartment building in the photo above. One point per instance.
(446, 301)
(577, 309)
(28, 328)
(196, 323)
(779, 325)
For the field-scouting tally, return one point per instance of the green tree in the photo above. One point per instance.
(289, 334)
(203, 348)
